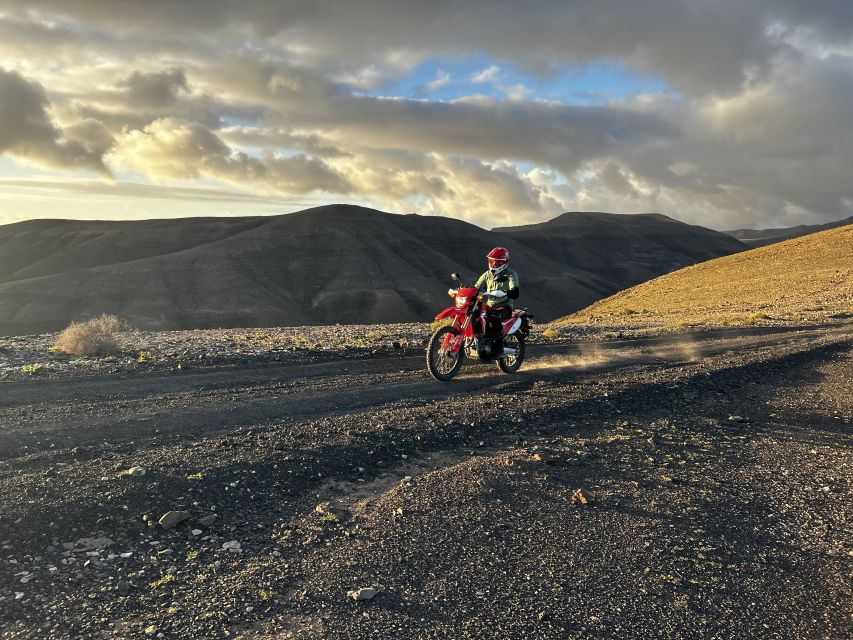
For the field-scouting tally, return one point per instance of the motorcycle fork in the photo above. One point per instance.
(460, 339)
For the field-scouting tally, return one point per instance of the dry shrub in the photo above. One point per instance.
(438, 324)
(551, 334)
(96, 337)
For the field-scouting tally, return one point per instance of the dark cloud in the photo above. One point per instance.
(26, 130)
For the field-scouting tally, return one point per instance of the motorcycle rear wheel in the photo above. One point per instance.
(511, 364)
(443, 364)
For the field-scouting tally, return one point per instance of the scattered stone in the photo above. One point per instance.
(363, 593)
(232, 546)
(150, 630)
(544, 458)
(174, 518)
(135, 472)
(578, 497)
(206, 521)
(84, 545)
(196, 532)
(738, 419)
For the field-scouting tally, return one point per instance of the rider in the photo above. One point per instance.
(499, 285)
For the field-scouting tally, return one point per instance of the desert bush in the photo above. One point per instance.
(760, 315)
(438, 324)
(551, 334)
(95, 337)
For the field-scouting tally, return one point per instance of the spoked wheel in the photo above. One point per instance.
(511, 364)
(442, 363)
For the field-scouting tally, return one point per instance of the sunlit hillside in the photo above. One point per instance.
(806, 278)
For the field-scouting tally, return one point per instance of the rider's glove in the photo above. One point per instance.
(496, 293)
(452, 292)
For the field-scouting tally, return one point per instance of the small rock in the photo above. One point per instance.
(174, 518)
(150, 630)
(135, 472)
(206, 521)
(578, 497)
(363, 593)
(196, 532)
(91, 544)
(737, 419)
(232, 546)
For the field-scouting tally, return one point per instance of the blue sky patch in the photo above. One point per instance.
(449, 79)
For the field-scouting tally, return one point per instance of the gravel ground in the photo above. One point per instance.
(27, 357)
(690, 486)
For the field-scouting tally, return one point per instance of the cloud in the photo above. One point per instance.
(156, 90)
(26, 130)
(490, 75)
(751, 129)
(171, 150)
(442, 79)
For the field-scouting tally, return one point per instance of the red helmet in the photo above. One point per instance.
(498, 259)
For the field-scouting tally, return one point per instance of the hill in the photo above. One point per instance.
(627, 249)
(763, 237)
(810, 277)
(333, 264)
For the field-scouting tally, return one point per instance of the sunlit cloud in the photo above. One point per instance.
(727, 114)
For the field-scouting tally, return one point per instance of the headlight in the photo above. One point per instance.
(460, 300)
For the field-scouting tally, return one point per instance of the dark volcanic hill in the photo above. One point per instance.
(331, 264)
(763, 237)
(627, 249)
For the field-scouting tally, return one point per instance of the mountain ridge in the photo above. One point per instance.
(763, 237)
(336, 263)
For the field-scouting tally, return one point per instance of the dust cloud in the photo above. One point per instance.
(681, 349)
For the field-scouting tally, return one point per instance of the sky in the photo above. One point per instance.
(723, 113)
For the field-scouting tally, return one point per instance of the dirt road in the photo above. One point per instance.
(714, 475)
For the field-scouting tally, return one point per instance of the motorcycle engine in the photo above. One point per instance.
(484, 348)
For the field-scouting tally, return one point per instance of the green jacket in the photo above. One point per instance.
(504, 281)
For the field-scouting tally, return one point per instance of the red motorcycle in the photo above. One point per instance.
(467, 332)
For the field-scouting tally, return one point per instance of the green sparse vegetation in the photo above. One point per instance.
(192, 555)
(31, 369)
(166, 579)
(97, 337)
(195, 476)
(145, 356)
(329, 517)
(266, 594)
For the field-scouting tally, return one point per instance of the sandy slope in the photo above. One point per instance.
(809, 278)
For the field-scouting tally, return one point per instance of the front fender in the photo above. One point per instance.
(450, 312)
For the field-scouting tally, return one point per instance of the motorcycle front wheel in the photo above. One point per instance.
(511, 364)
(442, 363)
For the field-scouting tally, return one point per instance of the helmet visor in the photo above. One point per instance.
(495, 263)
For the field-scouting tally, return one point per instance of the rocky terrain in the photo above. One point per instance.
(687, 485)
(806, 279)
(332, 264)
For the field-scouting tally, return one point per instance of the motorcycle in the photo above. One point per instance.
(467, 333)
